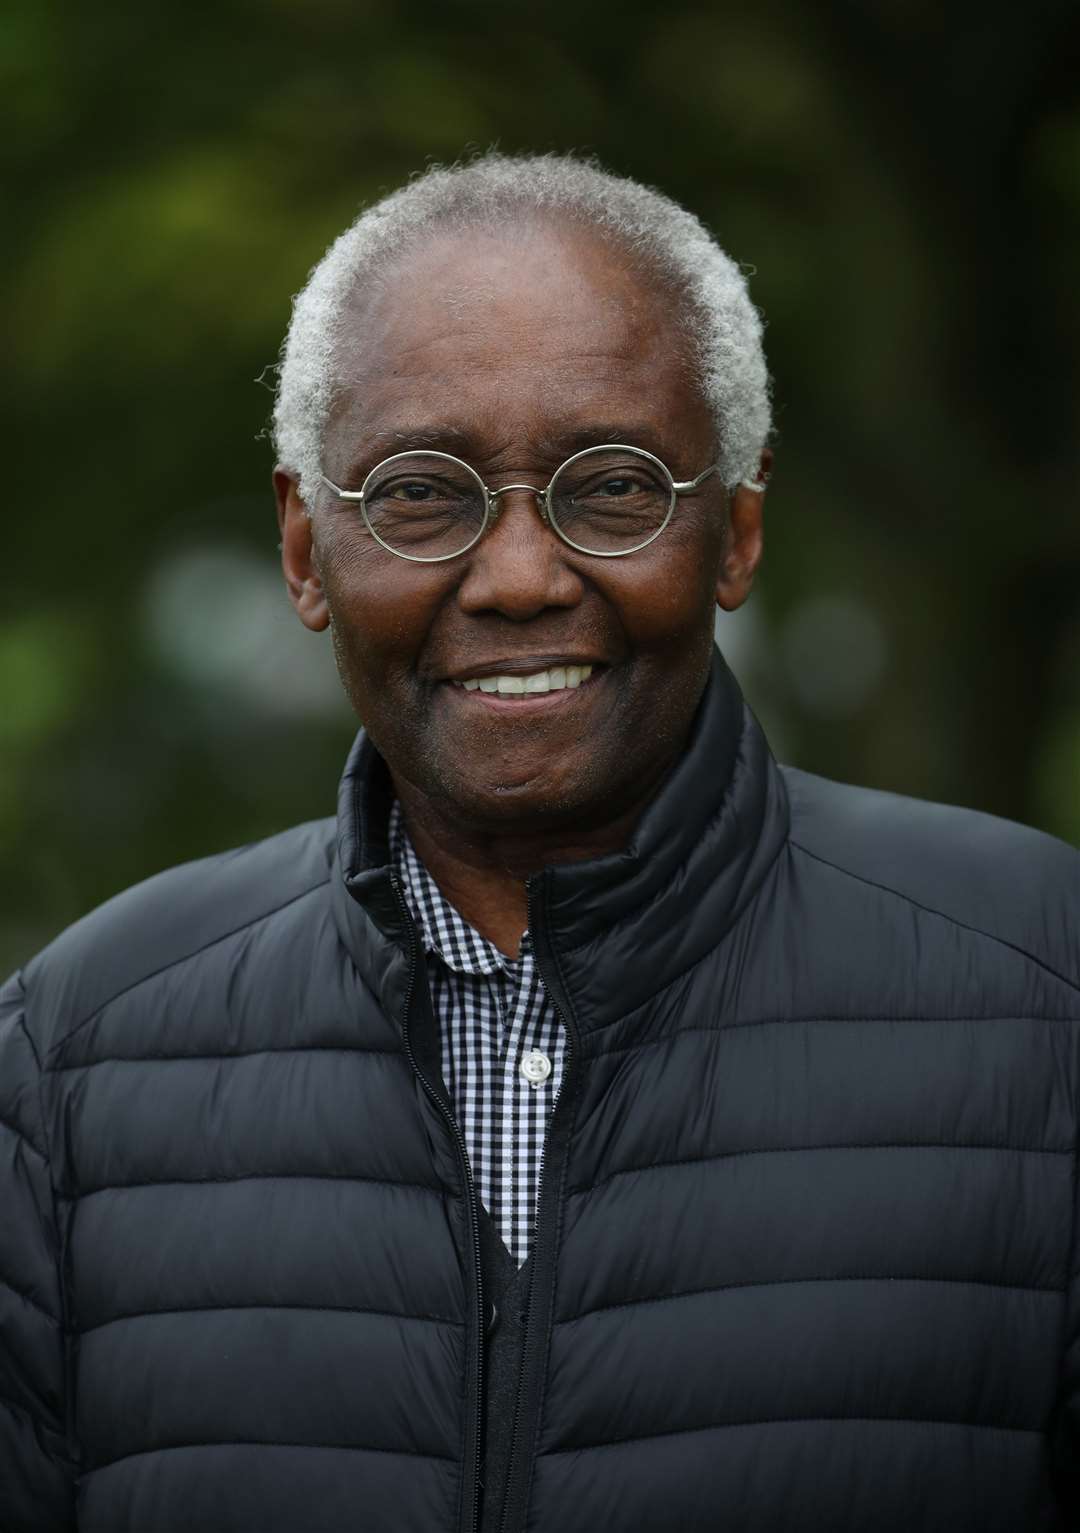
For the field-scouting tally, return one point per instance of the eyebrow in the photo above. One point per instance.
(555, 445)
(572, 440)
(385, 444)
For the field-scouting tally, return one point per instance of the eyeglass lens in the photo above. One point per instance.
(430, 507)
(424, 506)
(610, 502)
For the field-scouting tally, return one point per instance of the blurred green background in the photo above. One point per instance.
(903, 177)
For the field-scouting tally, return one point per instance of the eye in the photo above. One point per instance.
(412, 490)
(427, 490)
(620, 482)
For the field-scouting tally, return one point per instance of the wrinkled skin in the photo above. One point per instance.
(512, 351)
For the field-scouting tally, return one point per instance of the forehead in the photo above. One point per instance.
(512, 336)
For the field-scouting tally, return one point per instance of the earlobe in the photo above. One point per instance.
(298, 562)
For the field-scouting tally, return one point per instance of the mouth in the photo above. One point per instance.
(532, 690)
(556, 678)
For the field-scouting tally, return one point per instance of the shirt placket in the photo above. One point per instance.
(524, 1108)
(491, 1011)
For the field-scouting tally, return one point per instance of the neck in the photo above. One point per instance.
(483, 870)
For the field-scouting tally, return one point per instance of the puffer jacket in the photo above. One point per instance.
(806, 1254)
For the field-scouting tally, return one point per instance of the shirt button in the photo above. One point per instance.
(535, 1067)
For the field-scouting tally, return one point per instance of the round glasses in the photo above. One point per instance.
(428, 506)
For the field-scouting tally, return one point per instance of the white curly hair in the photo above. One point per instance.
(720, 321)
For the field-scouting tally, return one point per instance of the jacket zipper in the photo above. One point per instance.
(470, 1194)
(519, 1475)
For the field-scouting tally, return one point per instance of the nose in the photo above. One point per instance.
(519, 566)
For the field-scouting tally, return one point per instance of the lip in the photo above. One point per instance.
(526, 704)
(527, 666)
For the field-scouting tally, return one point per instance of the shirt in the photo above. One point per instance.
(502, 1047)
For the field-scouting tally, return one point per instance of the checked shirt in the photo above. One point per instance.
(492, 1012)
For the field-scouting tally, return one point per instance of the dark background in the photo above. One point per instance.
(904, 178)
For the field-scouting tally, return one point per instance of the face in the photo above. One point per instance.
(513, 351)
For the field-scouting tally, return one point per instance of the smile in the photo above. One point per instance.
(557, 679)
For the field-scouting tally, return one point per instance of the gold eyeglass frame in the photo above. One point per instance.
(543, 498)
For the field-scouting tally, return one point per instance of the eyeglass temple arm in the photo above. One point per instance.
(343, 494)
(689, 485)
(356, 496)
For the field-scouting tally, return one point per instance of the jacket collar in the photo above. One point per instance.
(621, 928)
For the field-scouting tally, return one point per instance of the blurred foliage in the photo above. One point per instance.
(904, 178)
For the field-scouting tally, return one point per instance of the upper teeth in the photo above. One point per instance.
(540, 681)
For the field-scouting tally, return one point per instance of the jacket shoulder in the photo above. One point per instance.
(1002, 879)
(166, 919)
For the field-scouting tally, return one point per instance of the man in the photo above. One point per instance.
(598, 1127)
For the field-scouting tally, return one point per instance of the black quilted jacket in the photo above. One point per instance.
(806, 1256)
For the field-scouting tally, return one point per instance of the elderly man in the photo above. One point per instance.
(598, 1127)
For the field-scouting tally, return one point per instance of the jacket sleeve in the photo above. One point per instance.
(1065, 1436)
(36, 1473)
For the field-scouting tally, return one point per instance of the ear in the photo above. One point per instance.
(745, 539)
(302, 579)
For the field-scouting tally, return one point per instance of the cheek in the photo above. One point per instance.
(669, 603)
(381, 608)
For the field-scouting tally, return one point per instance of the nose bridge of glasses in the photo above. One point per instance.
(539, 496)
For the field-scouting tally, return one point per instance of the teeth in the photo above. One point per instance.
(555, 680)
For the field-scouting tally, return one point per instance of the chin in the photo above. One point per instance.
(510, 795)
